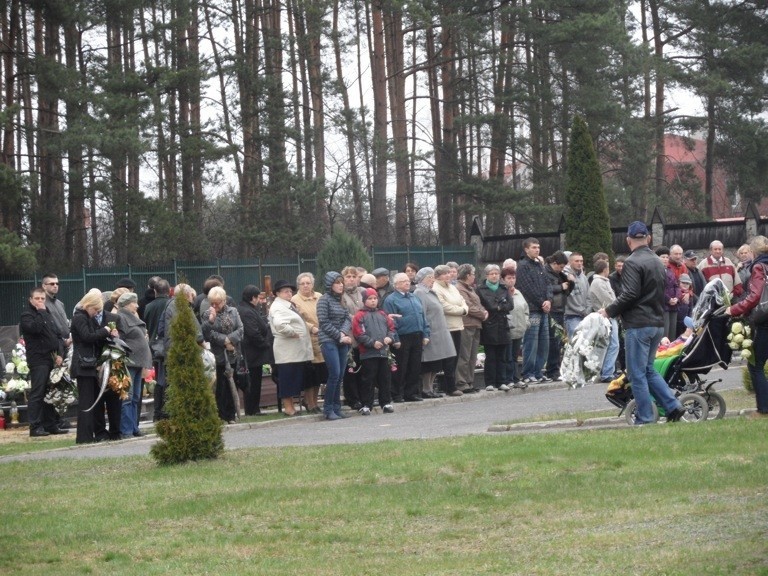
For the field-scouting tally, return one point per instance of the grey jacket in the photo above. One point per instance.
(577, 303)
(134, 331)
(600, 292)
(440, 344)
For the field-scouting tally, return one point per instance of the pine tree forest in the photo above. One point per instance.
(137, 131)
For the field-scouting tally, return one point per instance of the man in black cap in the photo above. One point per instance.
(691, 260)
(641, 307)
(383, 287)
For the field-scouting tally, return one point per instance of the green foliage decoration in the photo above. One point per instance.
(340, 250)
(193, 431)
(587, 226)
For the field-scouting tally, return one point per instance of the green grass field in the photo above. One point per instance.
(666, 499)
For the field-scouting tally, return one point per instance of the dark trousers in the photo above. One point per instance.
(352, 383)
(224, 400)
(39, 413)
(513, 352)
(252, 393)
(407, 383)
(161, 386)
(92, 425)
(555, 347)
(449, 365)
(375, 373)
(495, 370)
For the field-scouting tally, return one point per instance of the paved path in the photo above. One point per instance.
(467, 415)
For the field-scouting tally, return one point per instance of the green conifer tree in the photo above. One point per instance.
(587, 226)
(193, 430)
(340, 250)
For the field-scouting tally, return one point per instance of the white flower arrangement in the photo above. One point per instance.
(583, 356)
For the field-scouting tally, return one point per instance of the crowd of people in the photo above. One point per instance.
(387, 337)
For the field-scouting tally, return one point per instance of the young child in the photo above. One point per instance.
(374, 332)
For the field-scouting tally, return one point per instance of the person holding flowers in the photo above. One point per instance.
(757, 279)
(133, 331)
(91, 327)
(44, 348)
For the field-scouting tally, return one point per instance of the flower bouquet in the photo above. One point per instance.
(62, 389)
(16, 388)
(391, 360)
(352, 366)
(113, 370)
(17, 373)
(583, 356)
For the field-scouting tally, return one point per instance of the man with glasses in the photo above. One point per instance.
(56, 307)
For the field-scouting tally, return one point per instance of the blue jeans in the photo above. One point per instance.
(647, 384)
(335, 357)
(536, 345)
(129, 411)
(571, 322)
(756, 370)
(609, 362)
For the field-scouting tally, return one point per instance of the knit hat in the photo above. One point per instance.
(126, 283)
(126, 299)
(685, 279)
(369, 292)
(423, 273)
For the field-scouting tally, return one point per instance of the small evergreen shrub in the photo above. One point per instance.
(193, 430)
(340, 250)
(746, 378)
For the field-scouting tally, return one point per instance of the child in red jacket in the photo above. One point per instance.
(374, 332)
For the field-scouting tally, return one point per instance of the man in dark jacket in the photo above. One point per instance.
(256, 346)
(44, 350)
(534, 284)
(641, 307)
(562, 284)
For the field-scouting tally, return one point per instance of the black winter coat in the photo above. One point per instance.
(41, 336)
(88, 339)
(257, 337)
(495, 331)
(641, 302)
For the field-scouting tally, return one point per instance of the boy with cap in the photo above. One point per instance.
(374, 331)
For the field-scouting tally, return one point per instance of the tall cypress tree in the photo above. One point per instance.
(587, 226)
(193, 431)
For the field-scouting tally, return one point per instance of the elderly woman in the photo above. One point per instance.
(256, 346)
(133, 331)
(757, 279)
(744, 264)
(292, 346)
(473, 323)
(439, 353)
(495, 333)
(454, 309)
(335, 340)
(223, 328)
(305, 301)
(91, 327)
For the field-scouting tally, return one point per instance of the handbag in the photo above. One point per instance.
(759, 314)
(157, 346)
(87, 361)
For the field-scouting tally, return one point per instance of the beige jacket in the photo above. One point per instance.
(454, 306)
(307, 307)
(286, 326)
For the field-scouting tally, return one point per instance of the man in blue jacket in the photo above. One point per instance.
(413, 332)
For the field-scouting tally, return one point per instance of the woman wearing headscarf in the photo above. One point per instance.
(454, 310)
(133, 331)
(223, 328)
(305, 301)
(91, 327)
(440, 353)
(335, 341)
(292, 346)
(495, 333)
(757, 279)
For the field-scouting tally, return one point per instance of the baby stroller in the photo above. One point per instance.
(706, 347)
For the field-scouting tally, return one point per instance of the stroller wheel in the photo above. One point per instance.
(629, 412)
(715, 404)
(695, 407)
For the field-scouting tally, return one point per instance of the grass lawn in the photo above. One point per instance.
(666, 499)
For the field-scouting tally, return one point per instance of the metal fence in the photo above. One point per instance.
(14, 292)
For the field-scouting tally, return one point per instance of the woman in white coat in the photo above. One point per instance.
(292, 346)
